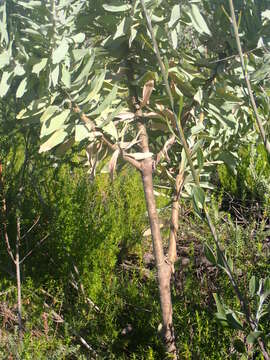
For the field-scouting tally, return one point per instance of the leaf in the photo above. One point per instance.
(60, 52)
(5, 83)
(197, 129)
(200, 158)
(209, 254)
(111, 130)
(81, 132)
(95, 87)
(220, 307)
(266, 14)
(147, 91)
(199, 96)
(66, 78)
(198, 21)
(55, 75)
(253, 336)
(106, 103)
(233, 321)
(49, 112)
(253, 285)
(220, 259)
(4, 59)
(198, 196)
(123, 28)
(229, 159)
(63, 148)
(84, 73)
(113, 162)
(78, 54)
(78, 38)
(37, 68)
(266, 285)
(174, 36)
(115, 8)
(19, 70)
(21, 88)
(175, 16)
(133, 33)
(57, 138)
(54, 123)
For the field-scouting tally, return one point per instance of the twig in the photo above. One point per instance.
(163, 152)
(38, 244)
(112, 146)
(82, 340)
(31, 228)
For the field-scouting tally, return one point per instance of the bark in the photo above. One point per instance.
(164, 267)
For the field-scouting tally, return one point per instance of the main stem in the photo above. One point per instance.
(164, 267)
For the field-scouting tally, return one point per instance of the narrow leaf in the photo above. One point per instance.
(115, 8)
(198, 20)
(21, 88)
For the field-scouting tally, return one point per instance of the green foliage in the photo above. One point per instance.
(251, 181)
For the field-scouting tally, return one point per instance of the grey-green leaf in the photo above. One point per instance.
(81, 132)
(116, 8)
(253, 337)
(5, 83)
(21, 88)
(55, 75)
(198, 20)
(60, 52)
(57, 138)
(175, 16)
(54, 123)
(198, 196)
(37, 68)
(4, 59)
(209, 254)
(253, 285)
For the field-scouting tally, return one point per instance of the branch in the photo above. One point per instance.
(112, 146)
(31, 228)
(163, 152)
(245, 73)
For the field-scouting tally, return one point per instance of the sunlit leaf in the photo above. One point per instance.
(54, 123)
(57, 138)
(37, 68)
(117, 8)
(60, 52)
(5, 83)
(21, 88)
(55, 75)
(198, 20)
